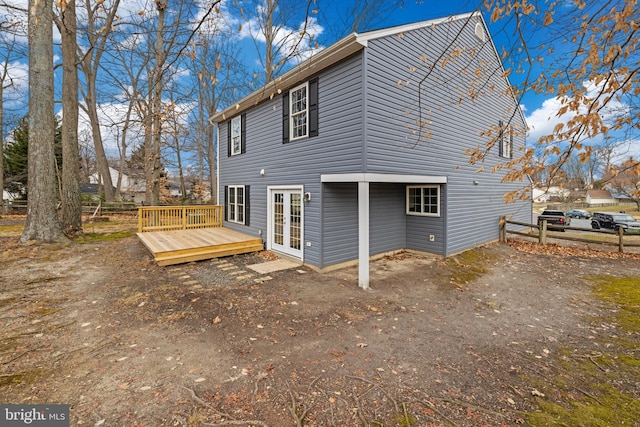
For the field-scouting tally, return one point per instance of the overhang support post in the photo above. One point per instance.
(363, 234)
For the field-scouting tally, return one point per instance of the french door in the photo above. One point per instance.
(286, 221)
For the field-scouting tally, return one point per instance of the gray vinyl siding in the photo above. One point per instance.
(387, 228)
(394, 144)
(387, 219)
(367, 113)
(340, 223)
(337, 149)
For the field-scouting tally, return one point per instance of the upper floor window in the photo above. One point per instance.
(236, 135)
(423, 200)
(300, 111)
(505, 140)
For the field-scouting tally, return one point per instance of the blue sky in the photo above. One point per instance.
(539, 110)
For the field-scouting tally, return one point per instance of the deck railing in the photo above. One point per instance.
(161, 218)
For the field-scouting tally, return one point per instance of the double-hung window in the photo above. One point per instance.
(423, 200)
(298, 111)
(236, 204)
(236, 135)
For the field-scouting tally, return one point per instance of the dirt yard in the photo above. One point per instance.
(502, 335)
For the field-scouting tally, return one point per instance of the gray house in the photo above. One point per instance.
(360, 150)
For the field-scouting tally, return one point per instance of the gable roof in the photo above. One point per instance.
(332, 54)
(599, 194)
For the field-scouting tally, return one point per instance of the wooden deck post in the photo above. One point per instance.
(184, 217)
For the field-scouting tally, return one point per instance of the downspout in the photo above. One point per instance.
(216, 130)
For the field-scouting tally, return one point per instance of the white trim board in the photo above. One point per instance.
(383, 177)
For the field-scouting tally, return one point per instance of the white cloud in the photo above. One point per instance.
(15, 96)
(288, 38)
(544, 119)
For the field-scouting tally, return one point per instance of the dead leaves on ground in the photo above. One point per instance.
(558, 250)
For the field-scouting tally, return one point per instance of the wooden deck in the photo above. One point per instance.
(180, 246)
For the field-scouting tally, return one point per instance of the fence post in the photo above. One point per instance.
(542, 232)
(620, 239)
(503, 229)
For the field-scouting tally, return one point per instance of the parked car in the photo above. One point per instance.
(614, 221)
(554, 218)
(578, 213)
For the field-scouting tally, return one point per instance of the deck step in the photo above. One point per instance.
(199, 254)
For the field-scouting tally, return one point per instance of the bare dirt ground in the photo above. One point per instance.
(473, 340)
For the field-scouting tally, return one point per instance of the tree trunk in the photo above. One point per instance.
(101, 157)
(42, 217)
(71, 220)
(211, 153)
(157, 104)
(269, 40)
(148, 156)
(2, 143)
(90, 65)
(183, 187)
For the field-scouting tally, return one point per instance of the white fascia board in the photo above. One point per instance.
(383, 177)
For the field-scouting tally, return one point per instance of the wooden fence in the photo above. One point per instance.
(161, 218)
(88, 208)
(586, 235)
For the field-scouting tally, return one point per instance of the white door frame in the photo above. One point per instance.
(270, 190)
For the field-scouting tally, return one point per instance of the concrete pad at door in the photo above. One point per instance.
(271, 266)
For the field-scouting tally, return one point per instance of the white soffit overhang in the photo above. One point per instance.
(383, 177)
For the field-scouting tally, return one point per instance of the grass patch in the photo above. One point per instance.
(102, 237)
(24, 377)
(624, 292)
(468, 266)
(599, 388)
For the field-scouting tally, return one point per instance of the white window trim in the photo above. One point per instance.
(235, 205)
(305, 111)
(437, 187)
(237, 120)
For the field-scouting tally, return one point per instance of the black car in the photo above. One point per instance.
(614, 221)
(578, 213)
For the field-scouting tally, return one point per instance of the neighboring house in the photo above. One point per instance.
(540, 195)
(600, 197)
(91, 191)
(546, 194)
(132, 184)
(7, 196)
(327, 163)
